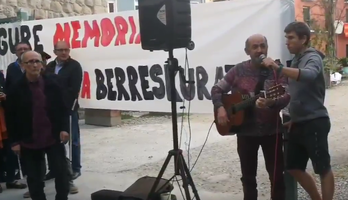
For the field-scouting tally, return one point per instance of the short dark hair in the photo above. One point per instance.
(301, 29)
(23, 42)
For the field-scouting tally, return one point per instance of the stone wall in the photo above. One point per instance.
(42, 9)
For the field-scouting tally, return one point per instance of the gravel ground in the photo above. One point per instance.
(218, 167)
(341, 179)
(115, 157)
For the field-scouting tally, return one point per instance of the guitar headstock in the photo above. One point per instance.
(274, 92)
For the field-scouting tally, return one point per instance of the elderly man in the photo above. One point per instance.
(38, 123)
(13, 73)
(260, 127)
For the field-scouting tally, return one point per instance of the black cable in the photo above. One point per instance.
(205, 142)
(188, 112)
(189, 123)
(183, 103)
(186, 68)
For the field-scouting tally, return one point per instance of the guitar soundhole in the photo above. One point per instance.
(233, 110)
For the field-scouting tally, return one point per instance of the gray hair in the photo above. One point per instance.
(21, 58)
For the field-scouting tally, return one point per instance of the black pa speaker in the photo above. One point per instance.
(164, 24)
(106, 195)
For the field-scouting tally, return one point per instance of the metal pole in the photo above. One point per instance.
(70, 131)
(290, 183)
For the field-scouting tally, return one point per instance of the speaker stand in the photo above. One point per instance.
(180, 167)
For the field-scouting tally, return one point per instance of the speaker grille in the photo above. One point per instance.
(153, 27)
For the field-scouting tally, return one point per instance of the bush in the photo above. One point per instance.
(343, 62)
(332, 65)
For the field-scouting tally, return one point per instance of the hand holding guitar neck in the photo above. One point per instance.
(264, 103)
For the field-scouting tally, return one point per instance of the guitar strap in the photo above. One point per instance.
(249, 113)
(264, 72)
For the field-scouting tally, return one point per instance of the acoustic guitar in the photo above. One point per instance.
(235, 106)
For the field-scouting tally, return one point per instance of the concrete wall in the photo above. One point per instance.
(43, 9)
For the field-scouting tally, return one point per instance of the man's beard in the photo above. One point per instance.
(256, 61)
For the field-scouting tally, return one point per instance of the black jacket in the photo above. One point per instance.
(13, 74)
(69, 78)
(2, 82)
(20, 114)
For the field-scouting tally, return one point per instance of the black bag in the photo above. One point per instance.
(141, 189)
(106, 195)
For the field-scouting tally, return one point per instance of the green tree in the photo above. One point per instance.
(331, 12)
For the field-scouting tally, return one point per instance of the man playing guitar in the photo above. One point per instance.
(262, 124)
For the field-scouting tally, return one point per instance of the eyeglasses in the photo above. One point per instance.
(62, 50)
(32, 62)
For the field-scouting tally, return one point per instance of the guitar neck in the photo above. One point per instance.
(246, 103)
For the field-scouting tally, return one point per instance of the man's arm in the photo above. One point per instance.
(223, 86)
(8, 77)
(10, 117)
(75, 81)
(65, 111)
(308, 73)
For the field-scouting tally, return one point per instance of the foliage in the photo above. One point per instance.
(343, 62)
(324, 33)
(319, 36)
(331, 65)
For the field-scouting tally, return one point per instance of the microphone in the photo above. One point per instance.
(262, 57)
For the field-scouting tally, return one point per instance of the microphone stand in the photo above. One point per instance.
(180, 166)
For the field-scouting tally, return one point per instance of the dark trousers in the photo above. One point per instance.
(34, 168)
(76, 144)
(248, 147)
(309, 140)
(75, 162)
(9, 162)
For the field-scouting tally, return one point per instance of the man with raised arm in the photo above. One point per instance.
(310, 122)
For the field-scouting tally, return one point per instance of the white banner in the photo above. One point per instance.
(119, 75)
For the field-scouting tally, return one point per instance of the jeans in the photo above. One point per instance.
(76, 145)
(248, 147)
(35, 170)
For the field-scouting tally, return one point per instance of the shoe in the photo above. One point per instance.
(16, 185)
(73, 189)
(75, 175)
(49, 176)
(18, 176)
(26, 195)
(0, 189)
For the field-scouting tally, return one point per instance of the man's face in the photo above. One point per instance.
(62, 51)
(256, 47)
(32, 63)
(21, 48)
(294, 43)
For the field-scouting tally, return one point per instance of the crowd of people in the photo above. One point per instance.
(38, 117)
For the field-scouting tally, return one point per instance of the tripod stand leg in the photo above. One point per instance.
(160, 175)
(184, 176)
(189, 178)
